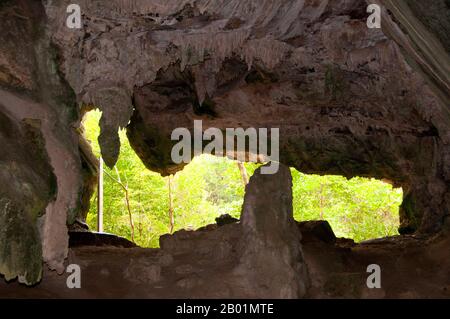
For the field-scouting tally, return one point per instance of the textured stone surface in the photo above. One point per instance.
(412, 267)
(28, 184)
(316, 230)
(46, 186)
(348, 100)
(270, 244)
(87, 238)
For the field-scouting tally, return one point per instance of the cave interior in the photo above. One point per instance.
(348, 100)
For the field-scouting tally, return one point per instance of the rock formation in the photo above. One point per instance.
(271, 251)
(348, 100)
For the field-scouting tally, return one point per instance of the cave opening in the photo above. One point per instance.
(206, 188)
(358, 208)
(211, 187)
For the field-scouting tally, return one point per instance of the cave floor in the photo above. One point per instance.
(199, 264)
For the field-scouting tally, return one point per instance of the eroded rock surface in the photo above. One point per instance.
(28, 184)
(40, 164)
(271, 251)
(348, 100)
(264, 255)
(412, 267)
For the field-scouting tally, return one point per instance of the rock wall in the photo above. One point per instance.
(262, 256)
(270, 245)
(348, 100)
(41, 170)
(359, 101)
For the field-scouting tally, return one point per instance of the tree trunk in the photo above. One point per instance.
(171, 219)
(127, 199)
(243, 171)
(321, 201)
(100, 197)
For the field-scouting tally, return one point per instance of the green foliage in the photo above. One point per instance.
(205, 189)
(209, 187)
(359, 208)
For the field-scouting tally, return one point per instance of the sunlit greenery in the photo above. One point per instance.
(208, 187)
(359, 208)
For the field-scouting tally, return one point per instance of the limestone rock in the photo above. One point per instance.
(272, 263)
(316, 230)
(348, 100)
(225, 220)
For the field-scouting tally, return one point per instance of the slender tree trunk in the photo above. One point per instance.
(171, 219)
(100, 197)
(243, 171)
(127, 202)
(127, 199)
(140, 215)
(321, 201)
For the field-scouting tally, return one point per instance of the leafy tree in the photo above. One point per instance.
(359, 208)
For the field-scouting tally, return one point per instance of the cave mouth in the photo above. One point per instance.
(206, 188)
(359, 208)
(209, 187)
